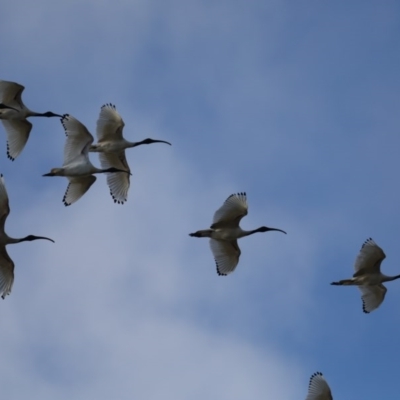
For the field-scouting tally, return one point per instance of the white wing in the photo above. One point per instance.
(226, 255)
(369, 258)
(118, 182)
(77, 187)
(17, 135)
(372, 297)
(231, 212)
(10, 94)
(4, 207)
(6, 273)
(318, 388)
(78, 139)
(109, 124)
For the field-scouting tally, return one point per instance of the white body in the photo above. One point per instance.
(111, 147)
(228, 234)
(225, 231)
(6, 263)
(368, 276)
(77, 166)
(16, 125)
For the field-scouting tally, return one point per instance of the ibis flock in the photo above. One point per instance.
(223, 233)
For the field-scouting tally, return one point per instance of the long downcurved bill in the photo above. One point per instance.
(46, 238)
(279, 230)
(150, 141)
(162, 141)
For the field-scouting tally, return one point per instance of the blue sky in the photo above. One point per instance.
(294, 103)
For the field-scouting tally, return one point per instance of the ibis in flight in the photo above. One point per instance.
(111, 147)
(77, 166)
(6, 264)
(13, 115)
(225, 231)
(368, 276)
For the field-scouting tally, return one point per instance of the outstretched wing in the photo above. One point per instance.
(369, 258)
(118, 182)
(6, 273)
(18, 131)
(10, 94)
(372, 297)
(231, 212)
(226, 255)
(4, 205)
(76, 188)
(78, 138)
(109, 124)
(318, 388)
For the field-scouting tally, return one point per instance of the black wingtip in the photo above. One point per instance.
(218, 271)
(8, 153)
(364, 309)
(108, 105)
(313, 376)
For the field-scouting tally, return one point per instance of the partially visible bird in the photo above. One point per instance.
(77, 166)
(368, 276)
(225, 231)
(111, 147)
(6, 264)
(14, 116)
(318, 388)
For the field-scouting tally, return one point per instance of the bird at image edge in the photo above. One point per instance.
(368, 276)
(225, 231)
(111, 147)
(318, 388)
(6, 264)
(14, 114)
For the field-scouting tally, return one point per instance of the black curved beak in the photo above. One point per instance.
(45, 238)
(162, 141)
(150, 141)
(279, 230)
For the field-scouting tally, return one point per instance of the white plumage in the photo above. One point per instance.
(111, 147)
(77, 166)
(368, 276)
(6, 264)
(14, 119)
(225, 231)
(318, 388)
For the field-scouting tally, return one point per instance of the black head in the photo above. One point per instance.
(29, 238)
(266, 229)
(51, 114)
(150, 141)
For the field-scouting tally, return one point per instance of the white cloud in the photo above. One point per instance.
(113, 308)
(252, 99)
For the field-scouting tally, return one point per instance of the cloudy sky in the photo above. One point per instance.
(295, 103)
